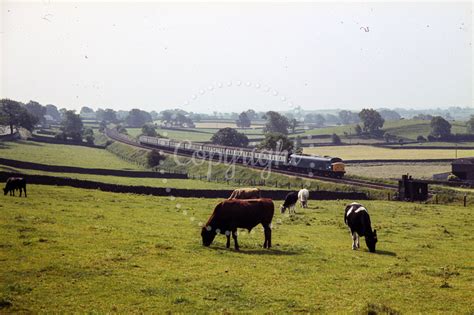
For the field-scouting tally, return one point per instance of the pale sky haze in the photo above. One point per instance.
(206, 57)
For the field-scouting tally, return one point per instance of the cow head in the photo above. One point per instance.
(371, 241)
(5, 191)
(282, 209)
(208, 235)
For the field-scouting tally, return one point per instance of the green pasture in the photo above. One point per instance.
(202, 135)
(405, 128)
(68, 250)
(59, 154)
(411, 129)
(363, 152)
(396, 170)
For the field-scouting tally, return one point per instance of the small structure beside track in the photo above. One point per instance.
(410, 189)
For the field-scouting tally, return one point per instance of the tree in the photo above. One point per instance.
(53, 112)
(316, 119)
(15, 116)
(358, 130)
(347, 117)
(121, 129)
(251, 114)
(372, 120)
(388, 114)
(298, 145)
(102, 126)
(37, 110)
(154, 158)
(86, 112)
(276, 141)
(149, 130)
(335, 139)
(137, 118)
(243, 121)
(110, 115)
(420, 138)
(440, 127)
(470, 125)
(89, 135)
(276, 123)
(293, 125)
(230, 137)
(71, 126)
(332, 119)
(176, 118)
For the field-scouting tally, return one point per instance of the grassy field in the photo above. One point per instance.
(411, 129)
(362, 152)
(129, 181)
(385, 171)
(406, 128)
(68, 155)
(67, 250)
(203, 135)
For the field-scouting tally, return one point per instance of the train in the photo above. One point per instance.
(297, 163)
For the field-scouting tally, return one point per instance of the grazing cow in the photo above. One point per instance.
(303, 196)
(14, 183)
(358, 219)
(229, 215)
(290, 201)
(245, 193)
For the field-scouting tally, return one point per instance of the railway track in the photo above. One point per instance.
(346, 181)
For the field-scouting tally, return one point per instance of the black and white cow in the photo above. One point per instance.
(290, 202)
(358, 219)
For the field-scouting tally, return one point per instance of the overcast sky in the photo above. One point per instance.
(230, 57)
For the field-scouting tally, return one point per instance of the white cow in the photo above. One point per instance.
(303, 196)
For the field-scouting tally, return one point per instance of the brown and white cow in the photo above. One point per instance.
(229, 215)
(245, 193)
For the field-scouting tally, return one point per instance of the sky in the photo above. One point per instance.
(228, 57)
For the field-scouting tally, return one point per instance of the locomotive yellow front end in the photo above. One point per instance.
(338, 169)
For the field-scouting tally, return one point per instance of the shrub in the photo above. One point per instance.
(154, 158)
(420, 138)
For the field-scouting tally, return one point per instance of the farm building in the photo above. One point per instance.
(463, 168)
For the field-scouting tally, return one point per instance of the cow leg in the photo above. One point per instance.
(354, 238)
(234, 236)
(357, 242)
(20, 191)
(25, 190)
(228, 240)
(268, 236)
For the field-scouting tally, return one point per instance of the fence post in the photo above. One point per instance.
(289, 185)
(436, 198)
(388, 196)
(465, 200)
(276, 184)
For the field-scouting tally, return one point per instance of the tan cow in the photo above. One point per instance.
(245, 193)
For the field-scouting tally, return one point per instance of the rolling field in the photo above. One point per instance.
(406, 128)
(66, 250)
(386, 171)
(362, 152)
(58, 154)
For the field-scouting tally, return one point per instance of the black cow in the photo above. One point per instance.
(358, 220)
(14, 183)
(231, 214)
(290, 202)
